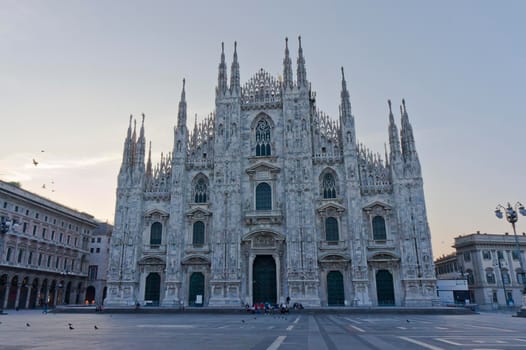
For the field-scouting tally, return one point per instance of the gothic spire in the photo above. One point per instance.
(140, 147)
(287, 67)
(181, 117)
(222, 76)
(345, 101)
(302, 72)
(394, 141)
(406, 132)
(126, 154)
(149, 161)
(234, 73)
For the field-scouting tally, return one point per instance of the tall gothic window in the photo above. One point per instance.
(263, 196)
(329, 186)
(156, 233)
(506, 277)
(331, 230)
(198, 237)
(379, 233)
(201, 191)
(262, 138)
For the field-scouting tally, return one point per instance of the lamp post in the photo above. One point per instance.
(512, 217)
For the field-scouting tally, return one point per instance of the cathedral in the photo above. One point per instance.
(268, 199)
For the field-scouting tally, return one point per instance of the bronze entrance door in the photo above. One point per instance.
(264, 279)
(335, 291)
(197, 289)
(153, 288)
(385, 288)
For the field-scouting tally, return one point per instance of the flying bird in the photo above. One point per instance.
(95, 326)
(71, 327)
(28, 325)
(42, 151)
(44, 186)
(407, 321)
(35, 163)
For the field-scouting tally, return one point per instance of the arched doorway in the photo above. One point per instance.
(104, 293)
(78, 291)
(152, 291)
(33, 295)
(22, 299)
(52, 293)
(335, 290)
(12, 293)
(90, 294)
(3, 289)
(43, 291)
(264, 279)
(385, 288)
(68, 293)
(197, 288)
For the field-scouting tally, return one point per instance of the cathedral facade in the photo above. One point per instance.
(267, 199)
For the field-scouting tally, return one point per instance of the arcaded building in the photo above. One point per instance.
(269, 198)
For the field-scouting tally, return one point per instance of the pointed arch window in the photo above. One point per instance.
(198, 237)
(329, 186)
(263, 196)
(201, 191)
(379, 233)
(331, 230)
(263, 138)
(156, 233)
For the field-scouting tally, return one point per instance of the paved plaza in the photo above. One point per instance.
(34, 330)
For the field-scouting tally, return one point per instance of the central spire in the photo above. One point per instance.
(181, 117)
(222, 77)
(345, 100)
(234, 73)
(302, 72)
(287, 68)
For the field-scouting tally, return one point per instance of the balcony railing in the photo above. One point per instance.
(257, 217)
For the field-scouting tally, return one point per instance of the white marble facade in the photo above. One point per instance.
(269, 198)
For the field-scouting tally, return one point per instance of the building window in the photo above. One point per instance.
(156, 233)
(92, 272)
(467, 256)
(16, 208)
(506, 277)
(490, 276)
(76, 241)
(5, 205)
(30, 258)
(98, 239)
(45, 218)
(68, 239)
(471, 278)
(379, 233)
(39, 259)
(20, 256)
(263, 196)
(201, 191)
(500, 255)
(328, 186)
(515, 255)
(495, 299)
(60, 237)
(198, 237)
(34, 230)
(8, 256)
(486, 255)
(57, 262)
(65, 263)
(49, 261)
(97, 250)
(44, 233)
(331, 230)
(91, 250)
(24, 227)
(52, 235)
(519, 276)
(93, 240)
(37, 215)
(262, 138)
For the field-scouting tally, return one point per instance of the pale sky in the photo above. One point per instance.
(71, 73)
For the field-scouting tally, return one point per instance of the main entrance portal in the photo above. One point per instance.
(385, 288)
(264, 279)
(152, 291)
(335, 291)
(197, 289)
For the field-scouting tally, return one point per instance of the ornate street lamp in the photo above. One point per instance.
(512, 217)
